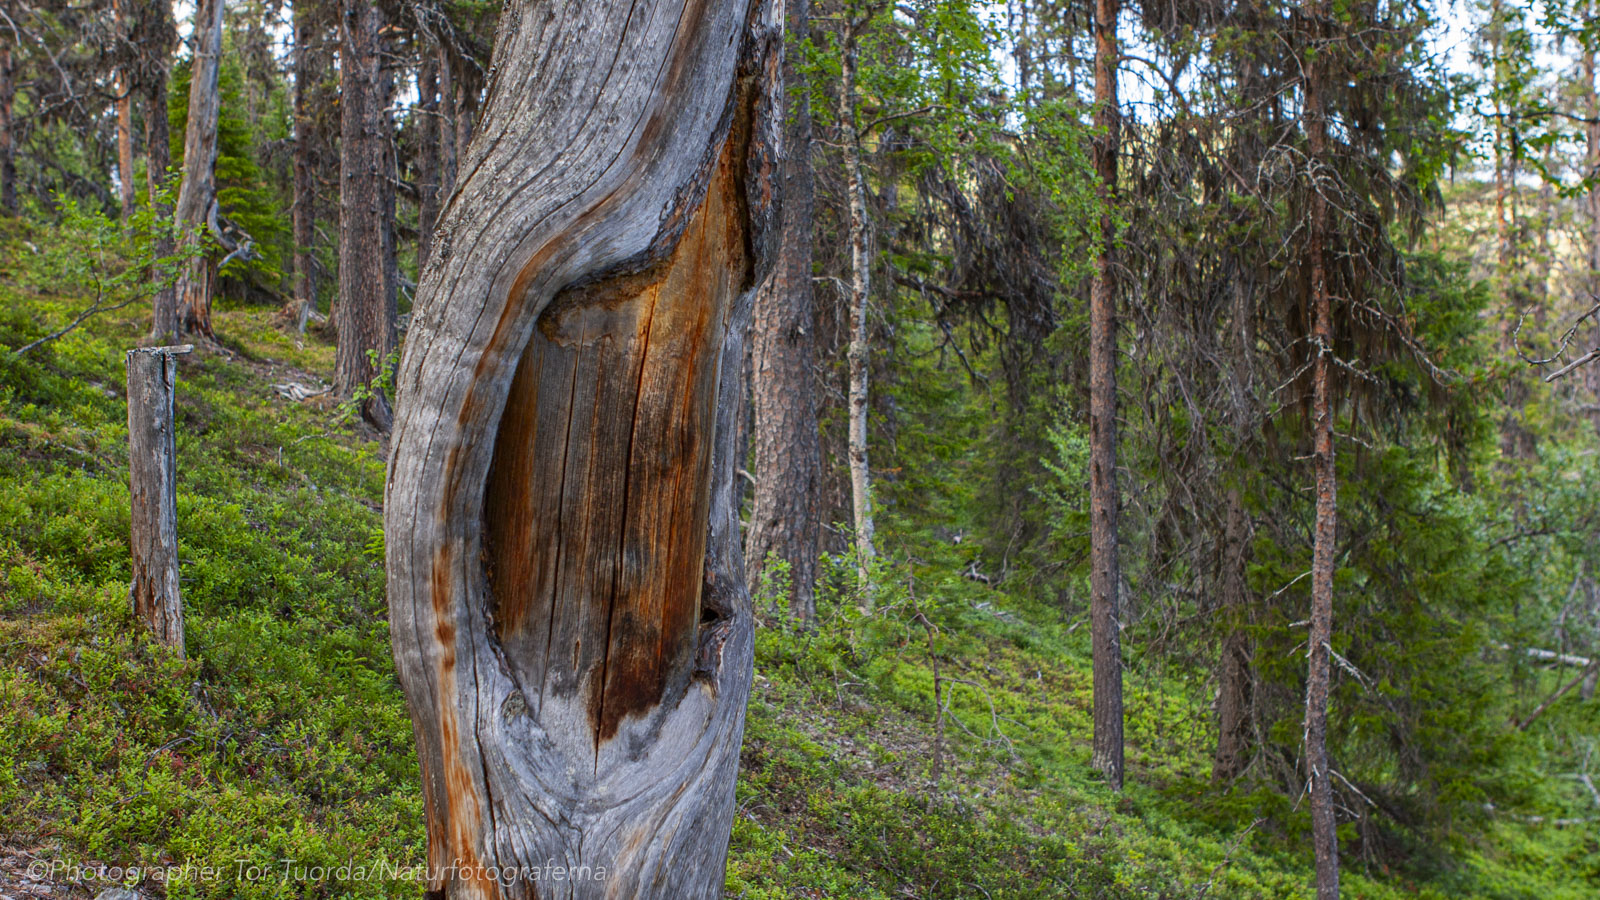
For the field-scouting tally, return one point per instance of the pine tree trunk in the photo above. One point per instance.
(304, 215)
(1105, 572)
(8, 152)
(1324, 834)
(366, 310)
(152, 468)
(199, 189)
(127, 191)
(859, 355)
(568, 610)
(153, 33)
(786, 453)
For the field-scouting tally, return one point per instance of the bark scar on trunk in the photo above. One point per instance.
(596, 503)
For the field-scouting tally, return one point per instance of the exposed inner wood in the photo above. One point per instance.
(597, 498)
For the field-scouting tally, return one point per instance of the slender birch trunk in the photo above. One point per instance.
(859, 355)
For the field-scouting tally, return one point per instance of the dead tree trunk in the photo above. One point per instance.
(570, 620)
(366, 309)
(152, 475)
(154, 33)
(448, 151)
(428, 163)
(859, 354)
(1105, 571)
(1324, 827)
(8, 124)
(305, 195)
(785, 447)
(199, 189)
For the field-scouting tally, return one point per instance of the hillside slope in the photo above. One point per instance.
(281, 748)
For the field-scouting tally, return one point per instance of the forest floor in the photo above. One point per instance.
(284, 735)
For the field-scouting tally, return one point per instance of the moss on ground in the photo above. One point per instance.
(285, 736)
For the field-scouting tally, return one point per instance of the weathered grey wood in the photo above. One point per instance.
(152, 478)
(568, 610)
(198, 190)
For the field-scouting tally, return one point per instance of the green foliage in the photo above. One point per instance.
(87, 254)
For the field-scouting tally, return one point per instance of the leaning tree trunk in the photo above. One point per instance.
(786, 453)
(196, 281)
(859, 354)
(366, 309)
(304, 214)
(1324, 833)
(154, 33)
(8, 152)
(568, 609)
(1105, 571)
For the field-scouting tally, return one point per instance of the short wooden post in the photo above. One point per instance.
(152, 470)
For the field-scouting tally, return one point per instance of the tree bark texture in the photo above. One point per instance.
(8, 124)
(127, 191)
(860, 352)
(428, 161)
(196, 281)
(366, 292)
(153, 33)
(1105, 571)
(569, 614)
(1324, 834)
(152, 475)
(447, 132)
(786, 451)
(304, 214)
